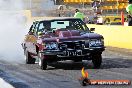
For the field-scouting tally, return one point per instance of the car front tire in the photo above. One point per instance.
(42, 62)
(97, 60)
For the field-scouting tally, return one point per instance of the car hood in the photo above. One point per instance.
(71, 36)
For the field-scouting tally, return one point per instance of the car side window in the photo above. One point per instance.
(41, 27)
(33, 28)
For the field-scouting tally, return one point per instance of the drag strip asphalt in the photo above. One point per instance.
(116, 65)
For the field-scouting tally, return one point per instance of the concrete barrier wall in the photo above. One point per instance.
(116, 36)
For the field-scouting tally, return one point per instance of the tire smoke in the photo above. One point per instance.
(12, 30)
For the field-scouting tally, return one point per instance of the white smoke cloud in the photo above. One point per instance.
(48, 4)
(11, 4)
(12, 30)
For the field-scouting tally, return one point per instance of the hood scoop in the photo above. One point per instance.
(69, 33)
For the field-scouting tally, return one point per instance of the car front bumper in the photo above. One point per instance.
(71, 54)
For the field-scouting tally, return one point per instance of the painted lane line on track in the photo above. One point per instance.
(4, 84)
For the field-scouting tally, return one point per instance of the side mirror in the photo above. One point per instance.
(92, 29)
(40, 33)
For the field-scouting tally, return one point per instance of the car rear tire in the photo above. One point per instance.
(42, 62)
(97, 60)
(29, 59)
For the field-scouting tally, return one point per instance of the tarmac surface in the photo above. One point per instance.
(117, 64)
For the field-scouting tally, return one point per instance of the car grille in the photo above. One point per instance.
(71, 45)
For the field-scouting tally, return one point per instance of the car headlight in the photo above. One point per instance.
(51, 45)
(96, 43)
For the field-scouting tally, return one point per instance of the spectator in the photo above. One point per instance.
(96, 5)
(78, 14)
(129, 11)
(60, 9)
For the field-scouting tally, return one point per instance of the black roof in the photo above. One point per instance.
(58, 18)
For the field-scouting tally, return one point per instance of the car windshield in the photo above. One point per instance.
(64, 24)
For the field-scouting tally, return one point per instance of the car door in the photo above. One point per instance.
(30, 41)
